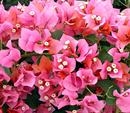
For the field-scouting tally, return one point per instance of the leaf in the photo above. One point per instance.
(7, 70)
(108, 87)
(57, 34)
(33, 99)
(92, 38)
(66, 108)
(4, 108)
(104, 46)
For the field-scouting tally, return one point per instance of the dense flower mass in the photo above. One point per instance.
(66, 56)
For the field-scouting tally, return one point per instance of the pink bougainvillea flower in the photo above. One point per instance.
(45, 19)
(11, 95)
(87, 77)
(125, 76)
(123, 100)
(9, 56)
(71, 95)
(47, 43)
(29, 15)
(118, 54)
(25, 78)
(45, 65)
(109, 109)
(75, 23)
(93, 63)
(21, 107)
(91, 59)
(42, 108)
(3, 14)
(3, 75)
(63, 63)
(5, 31)
(83, 50)
(91, 104)
(28, 39)
(123, 36)
(69, 45)
(64, 12)
(114, 70)
(61, 102)
(72, 82)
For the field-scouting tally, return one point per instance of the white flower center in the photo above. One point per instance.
(47, 84)
(65, 46)
(41, 87)
(46, 97)
(51, 101)
(23, 108)
(109, 69)
(93, 16)
(13, 30)
(49, 109)
(32, 13)
(60, 66)
(59, 60)
(53, 95)
(74, 111)
(98, 18)
(4, 86)
(46, 43)
(113, 65)
(18, 25)
(40, 82)
(67, 42)
(95, 59)
(65, 63)
(115, 70)
(82, 7)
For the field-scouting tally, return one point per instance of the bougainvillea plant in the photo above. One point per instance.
(65, 57)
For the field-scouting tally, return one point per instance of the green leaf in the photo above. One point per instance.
(57, 34)
(4, 108)
(104, 46)
(7, 70)
(33, 99)
(91, 38)
(108, 87)
(110, 101)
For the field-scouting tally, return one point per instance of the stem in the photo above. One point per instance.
(1, 44)
(123, 4)
(89, 90)
(117, 110)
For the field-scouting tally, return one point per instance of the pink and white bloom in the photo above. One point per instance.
(91, 104)
(118, 54)
(28, 39)
(9, 56)
(25, 78)
(87, 77)
(123, 100)
(114, 70)
(69, 45)
(63, 63)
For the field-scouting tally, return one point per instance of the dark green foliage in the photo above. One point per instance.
(108, 87)
(121, 4)
(57, 34)
(104, 47)
(9, 3)
(33, 99)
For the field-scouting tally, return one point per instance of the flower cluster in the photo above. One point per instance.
(64, 54)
